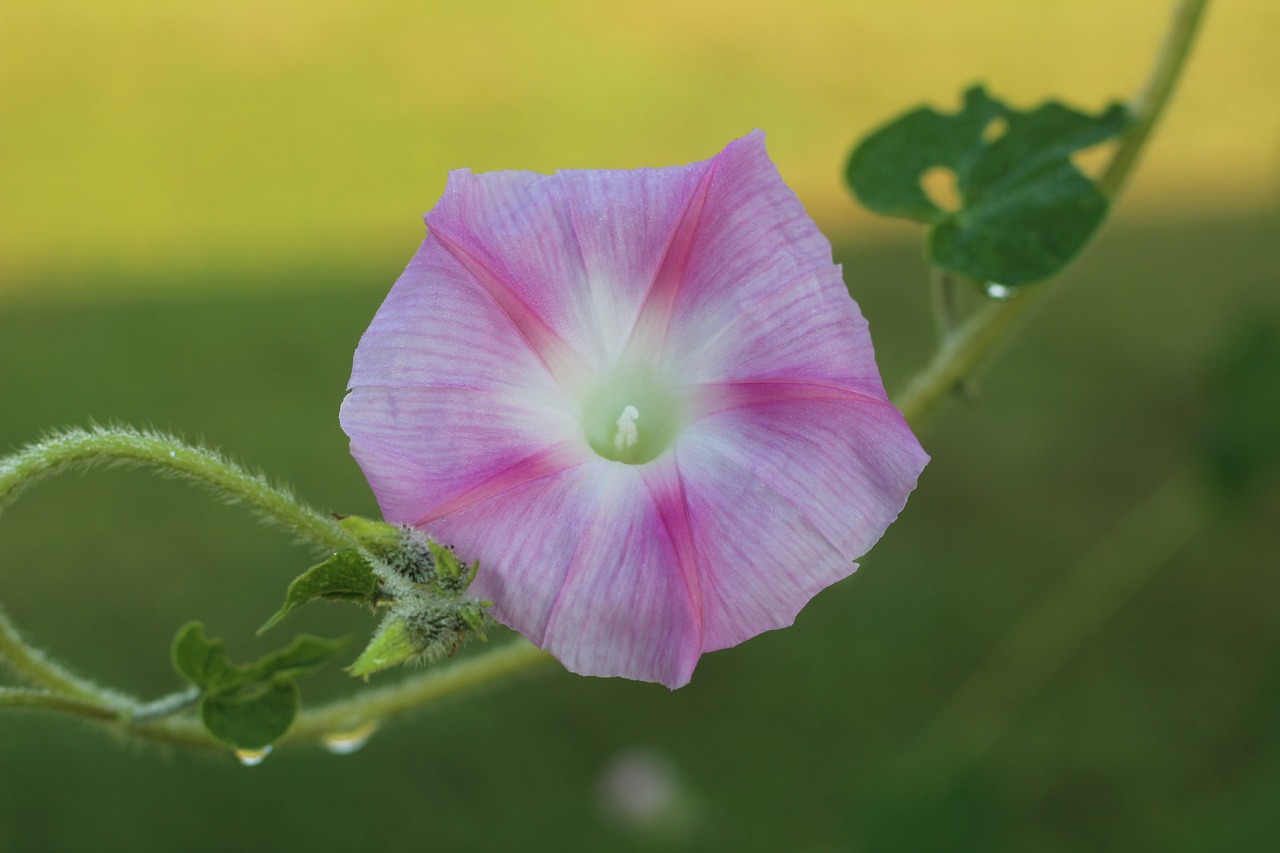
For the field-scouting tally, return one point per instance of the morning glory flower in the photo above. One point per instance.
(643, 400)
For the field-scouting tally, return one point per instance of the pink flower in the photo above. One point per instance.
(643, 400)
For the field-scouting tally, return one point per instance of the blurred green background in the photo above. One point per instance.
(202, 206)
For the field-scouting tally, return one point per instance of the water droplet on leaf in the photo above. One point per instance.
(252, 757)
(347, 742)
(999, 291)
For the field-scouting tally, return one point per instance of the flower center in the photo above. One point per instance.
(632, 417)
(628, 435)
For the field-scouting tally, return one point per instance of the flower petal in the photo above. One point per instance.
(561, 249)
(753, 239)
(594, 576)
(783, 495)
(527, 261)
(625, 248)
(428, 451)
(438, 327)
(844, 463)
(761, 560)
(808, 331)
(524, 556)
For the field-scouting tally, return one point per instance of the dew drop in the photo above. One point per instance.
(642, 790)
(351, 740)
(999, 291)
(252, 757)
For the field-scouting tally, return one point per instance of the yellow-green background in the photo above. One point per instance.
(201, 206)
(143, 135)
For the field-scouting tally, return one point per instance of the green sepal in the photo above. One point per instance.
(346, 576)
(378, 536)
(1026, 209)
(452, 574)
(393, 644)
(247, 706)
(472, 615)
(420, 632)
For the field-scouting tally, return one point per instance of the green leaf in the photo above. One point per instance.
(250, 706)
(202, 661)
(253, 717)
(346, 576)
(305, 654)
(1025, 210)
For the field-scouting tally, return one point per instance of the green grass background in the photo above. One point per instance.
(200, 210)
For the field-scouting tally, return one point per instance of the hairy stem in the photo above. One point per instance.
(170, 457)
(415, 691)
(23, 699)
(160, 721)
(368, 706)
(78, 449)
(33, 665)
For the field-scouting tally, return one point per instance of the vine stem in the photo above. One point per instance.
(36, 667)
(959, 354)
(1097, 586)
(1150, 103)
(81, 448)
(368, 706)
(64, 692)
(961, 351)
(415, 691)
(24, 699)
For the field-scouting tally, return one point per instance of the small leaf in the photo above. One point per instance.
(394, 643)
(202, 661)
(1025, 210)
(252, 717)
(305, 654)
(346, 576)
(247, 707)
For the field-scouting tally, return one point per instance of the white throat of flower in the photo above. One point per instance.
(632, 414)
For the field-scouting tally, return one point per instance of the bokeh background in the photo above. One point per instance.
(202, 205)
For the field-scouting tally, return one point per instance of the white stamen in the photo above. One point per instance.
(627, 434)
